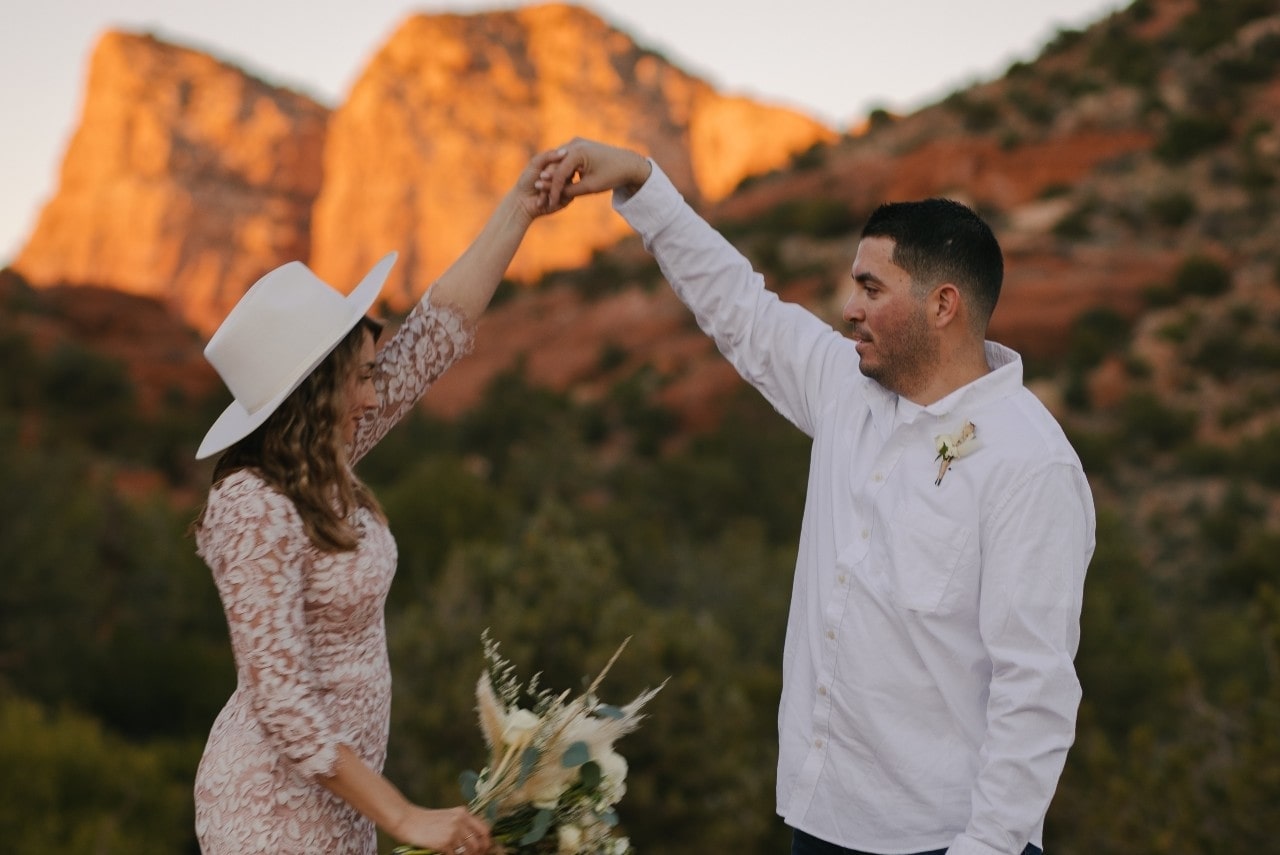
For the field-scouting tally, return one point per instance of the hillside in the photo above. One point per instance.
(1118, 156)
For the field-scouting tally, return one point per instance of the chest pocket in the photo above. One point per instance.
(925, 553)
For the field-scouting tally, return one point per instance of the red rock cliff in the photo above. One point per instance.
(450, 109)
(185, 180)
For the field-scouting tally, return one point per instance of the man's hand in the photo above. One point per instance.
(597, 168)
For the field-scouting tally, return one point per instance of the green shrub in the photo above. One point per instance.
(1187, 136)
(977, 115)
(1256, 176)
(1202, 276)
(1038, 109)
(1176, 332)
(1075, 224)
(879, 118)
(1200, 459)
(66, 785)
(1147, 422)
(1096, 334)
(1216, 22)
(612, 355)
(1020, 69)
(1224, 525)
(811, 158)
(1220, 354)
(1173, 209)
(1063, 40)
(1130, 60)
(1260, 458)
(1160, 296)
(817, 217)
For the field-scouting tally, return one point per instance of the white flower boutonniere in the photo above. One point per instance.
(953, 445)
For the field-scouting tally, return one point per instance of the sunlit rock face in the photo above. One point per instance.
(446, 114)
(185, 180)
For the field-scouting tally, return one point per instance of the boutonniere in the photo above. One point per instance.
(953, 445)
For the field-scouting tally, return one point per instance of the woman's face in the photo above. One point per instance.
(359, 397)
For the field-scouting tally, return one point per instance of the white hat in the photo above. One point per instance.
(282, 328)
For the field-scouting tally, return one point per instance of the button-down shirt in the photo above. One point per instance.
(929, 693)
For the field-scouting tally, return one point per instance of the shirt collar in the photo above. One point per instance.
(1003, 379)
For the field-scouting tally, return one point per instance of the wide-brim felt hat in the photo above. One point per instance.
(275, 336)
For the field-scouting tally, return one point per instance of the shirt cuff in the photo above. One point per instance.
(652, 207)
(966, 845)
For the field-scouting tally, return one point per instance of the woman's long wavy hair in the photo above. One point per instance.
(299, 450)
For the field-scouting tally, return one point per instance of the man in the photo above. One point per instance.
(929, 693)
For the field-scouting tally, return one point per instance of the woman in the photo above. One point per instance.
(302, 556)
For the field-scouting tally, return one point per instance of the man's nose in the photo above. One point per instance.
(853, 310)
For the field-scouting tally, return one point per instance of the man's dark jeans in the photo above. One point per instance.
(807, 844)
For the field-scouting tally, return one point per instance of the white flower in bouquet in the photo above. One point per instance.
(613, 771)
(569, 837)
(519, 728)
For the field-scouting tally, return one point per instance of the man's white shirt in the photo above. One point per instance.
(929, 693)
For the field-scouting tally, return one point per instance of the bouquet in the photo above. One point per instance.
(553, 779)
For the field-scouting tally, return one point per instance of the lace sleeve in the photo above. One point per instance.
(254, 542)
(430, 340)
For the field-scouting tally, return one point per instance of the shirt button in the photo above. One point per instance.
(817, 743)
(878, 478)
(831, 633)
(842, 579)
(822, 690)
(866, 533)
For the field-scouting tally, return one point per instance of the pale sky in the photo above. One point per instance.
(834, 59)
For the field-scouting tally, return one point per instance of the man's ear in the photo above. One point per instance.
(944, 305)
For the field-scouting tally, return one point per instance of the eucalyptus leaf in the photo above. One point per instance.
(609, 818)
(590, 775)
(608, 711)
(541, 822)
(528, 762)
(467, 782)
(575, 755)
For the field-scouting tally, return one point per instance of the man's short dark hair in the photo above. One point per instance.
(941, 240)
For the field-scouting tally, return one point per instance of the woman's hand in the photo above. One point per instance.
(451, 831)
(597, 168)
(528, 192)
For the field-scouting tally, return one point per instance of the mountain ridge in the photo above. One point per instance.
(187, 177)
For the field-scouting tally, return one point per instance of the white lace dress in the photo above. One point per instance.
(309, 638)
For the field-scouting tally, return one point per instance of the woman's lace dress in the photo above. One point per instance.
(309, 639)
